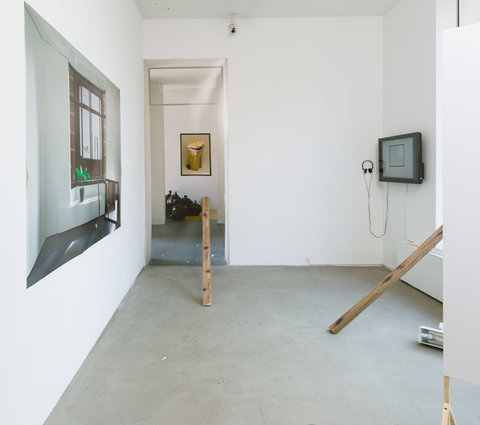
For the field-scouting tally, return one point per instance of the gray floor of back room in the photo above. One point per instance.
(180, 243)
(262, 354)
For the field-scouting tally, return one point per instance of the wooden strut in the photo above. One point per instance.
(207, 261)
(447, 416)
(388, 281)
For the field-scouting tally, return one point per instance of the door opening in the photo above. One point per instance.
(187, 132)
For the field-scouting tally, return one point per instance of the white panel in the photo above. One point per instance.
(462, 203)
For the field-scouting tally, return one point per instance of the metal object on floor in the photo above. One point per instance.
(431, 336)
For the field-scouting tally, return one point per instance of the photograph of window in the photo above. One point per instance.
(73, 150)
(87, 128)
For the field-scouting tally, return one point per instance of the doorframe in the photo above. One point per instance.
(183, 63)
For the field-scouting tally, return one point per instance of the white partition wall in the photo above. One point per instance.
(462, 203)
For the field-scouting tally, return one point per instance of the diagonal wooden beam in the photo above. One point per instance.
(388, 281)
(207, 260)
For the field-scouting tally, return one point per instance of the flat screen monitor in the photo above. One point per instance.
(400, 158)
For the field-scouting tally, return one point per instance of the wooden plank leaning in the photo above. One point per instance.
(207, 261)
(388, 281)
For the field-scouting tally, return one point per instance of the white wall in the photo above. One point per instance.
(469, 12)
(55, 140)
(190, 119)
(157, 132)
(148, 167)
(412, 102)
(113, 138)
(410, 105)
(34, 110)
(48, 330)
(304, 111)
(461, 203)
(446, 18)
(48, 155)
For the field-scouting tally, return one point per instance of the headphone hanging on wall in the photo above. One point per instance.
(366, 168)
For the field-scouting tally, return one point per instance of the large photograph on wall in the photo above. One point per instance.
(73, 161)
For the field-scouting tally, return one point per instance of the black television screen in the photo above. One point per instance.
(400, 158)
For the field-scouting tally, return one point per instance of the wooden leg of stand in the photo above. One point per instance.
(447, 416)
(446, 390)
(452, 419)
(207, 262)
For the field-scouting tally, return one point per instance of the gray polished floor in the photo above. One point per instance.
(261, 355)
(180, 243)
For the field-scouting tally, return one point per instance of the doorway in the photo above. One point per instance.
(186, 114)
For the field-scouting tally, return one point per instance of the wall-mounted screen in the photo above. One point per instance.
(400, 158)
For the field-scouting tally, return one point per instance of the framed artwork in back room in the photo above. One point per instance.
(195, 154)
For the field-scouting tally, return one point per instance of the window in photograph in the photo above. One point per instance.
(87, 129)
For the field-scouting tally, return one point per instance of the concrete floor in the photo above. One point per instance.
(261, 355)
(180, 243)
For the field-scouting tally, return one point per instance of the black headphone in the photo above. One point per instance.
(365, 168)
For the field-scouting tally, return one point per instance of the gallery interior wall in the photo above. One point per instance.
(469, 12)
(157, 160)
(409, 105)
(148, 166)
(412, 74)
(48, 330)
(304, 111)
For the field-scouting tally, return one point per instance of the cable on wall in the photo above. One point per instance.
(367, 167)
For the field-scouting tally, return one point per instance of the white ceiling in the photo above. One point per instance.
(206, 77)
(152, 9)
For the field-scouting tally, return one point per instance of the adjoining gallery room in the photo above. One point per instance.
(229, 213)
(187, 134)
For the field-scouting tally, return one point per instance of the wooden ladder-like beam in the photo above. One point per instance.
(207, 260)
(388, 281)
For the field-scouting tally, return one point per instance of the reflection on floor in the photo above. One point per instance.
(180, 243)
(62, 247)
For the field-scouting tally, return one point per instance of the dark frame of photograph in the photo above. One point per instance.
(190, 163)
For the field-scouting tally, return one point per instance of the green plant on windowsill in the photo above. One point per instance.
(82, 173)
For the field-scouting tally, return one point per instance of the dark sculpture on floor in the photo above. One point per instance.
(178, 208)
